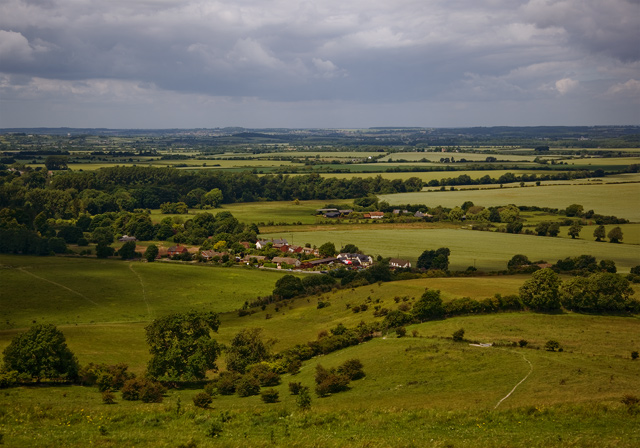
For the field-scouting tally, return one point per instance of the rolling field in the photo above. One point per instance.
(486, 250)
(621, 200)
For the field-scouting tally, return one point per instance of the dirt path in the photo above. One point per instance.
(521, 381)
(144, 292)
(61, 286)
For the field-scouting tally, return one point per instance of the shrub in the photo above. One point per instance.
(329, 381)
(152, 392)
(215, 429)
(458, 335)
(108, 397)
(401, 332)
(352, 368)
(269, 396)
(265, 375)
(202, 400)
(8, 379)
(523, 343)
(295, 387)
(634, 355)
(303, 400)
(294, 366)
(247, 386)
(226, 383)
(552, 345)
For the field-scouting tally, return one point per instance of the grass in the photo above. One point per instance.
(605, 199)
(484, 250)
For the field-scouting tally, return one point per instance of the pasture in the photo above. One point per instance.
(622, 200)
(488, 251)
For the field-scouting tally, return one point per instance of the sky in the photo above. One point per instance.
(321, 64)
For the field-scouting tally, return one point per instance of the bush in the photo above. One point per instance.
(106, 377)
(295, 387)
(293, 368)
(552, 345)
(303, 400)
(8, 379)
(329, 381)
(352, 368)
(265, 375)
(226, 383)
(634, 355)
(202, 400)
(401, 332)
(215, 429)
(108, 397)
(247, 386)
(523, 343)
(458, 335)
(269, 396)
(146, 390)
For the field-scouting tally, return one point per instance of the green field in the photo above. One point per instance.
(607, 199)
(484, 250)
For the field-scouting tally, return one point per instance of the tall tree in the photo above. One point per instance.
(541, 291)
(574, 229)
(599, 233)
(615, 235)
(181, 346)
(41, 352)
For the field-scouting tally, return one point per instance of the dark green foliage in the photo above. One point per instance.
(458, 335)
(57, 245)
(634, 355)
(293, 367)
(70, 234)
(401, 332)
(518, 261)
(396, 319)
(329, 381)
(215, 429)
(106, 377)
(523, 343)
(104, 251)
(541, 291)
(303, 400)
(635, 270)
(552, 345)
(574, 229)
(350, 249)
(225, 383)
(247, 386)
(264, 374)
(23, 241)
(429, 306)
(181, 346)
(295, 387)
(327, 249)
(108, 397)
(599, 233)
(151, 253)
(574, 210)
(352, 368)
(607, 266)
(246, 348)
(82, 242)
(128, 250)
(41, 353)
(202, 400)
(56, 162)
(143, 389)
(269, 396)
(288, 286)
(599, 292)
(615, 235)
(514, 226)
(434, 259)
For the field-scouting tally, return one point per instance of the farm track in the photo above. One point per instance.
(79, 294)
(144, 292)
(516, 386)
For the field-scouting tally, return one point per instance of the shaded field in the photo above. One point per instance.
(621, 200)
(485, 250)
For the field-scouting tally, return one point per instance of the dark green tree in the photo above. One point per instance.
(350, 249)
(288, 286)
(151, 253)
(541, 291)
(599, 233)
(128, 250)
(574, 229)
(429, 306)
(56, 162)
(41, 353)
(246, 348)
(615, 235)
(518, 261)
(181, 346)
(434, 259)
(327, 249)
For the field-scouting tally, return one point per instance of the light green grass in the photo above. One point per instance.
(609, 199)
(485, 250)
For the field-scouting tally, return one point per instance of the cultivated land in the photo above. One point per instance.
(420, 390)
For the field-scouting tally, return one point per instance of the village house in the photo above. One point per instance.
(376, 215)
(399, 263)
(210, 254)
(258, 258)
(355, 259)
(176, 250)
(277, 243)
(286, 260)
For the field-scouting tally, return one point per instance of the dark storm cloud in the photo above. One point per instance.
(127, 52)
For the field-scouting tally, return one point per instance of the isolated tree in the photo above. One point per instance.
(429, 306)
(517, 261)
(541, 291)
(246, 348)
(574, 229)
(554, 229)
(181, 346)
(615, 235)
(41, 353)
(599, 233)
(128, 250)
(327, 249)
(151, 253)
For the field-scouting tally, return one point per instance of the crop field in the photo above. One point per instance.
(607, 199)
(484, 250)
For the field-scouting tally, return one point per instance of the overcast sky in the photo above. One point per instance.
(323, 63)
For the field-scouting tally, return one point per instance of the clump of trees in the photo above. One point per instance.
(334, 380)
